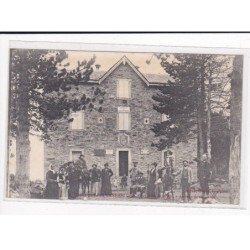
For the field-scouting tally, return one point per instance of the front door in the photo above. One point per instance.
(123, 163)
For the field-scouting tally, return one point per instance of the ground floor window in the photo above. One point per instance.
(75, 154)
(168, 158)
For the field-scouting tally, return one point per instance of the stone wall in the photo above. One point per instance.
(106, 136)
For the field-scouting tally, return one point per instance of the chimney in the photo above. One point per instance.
(98, 66)
(137, 67)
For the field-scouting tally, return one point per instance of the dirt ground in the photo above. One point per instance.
(123, 195)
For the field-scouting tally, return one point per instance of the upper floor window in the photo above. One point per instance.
(78, 120)
(124, 118)
(123, 89)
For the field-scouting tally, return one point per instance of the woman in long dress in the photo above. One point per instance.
(52, 189)
(106, 183)
(151, 181)
(73, 178)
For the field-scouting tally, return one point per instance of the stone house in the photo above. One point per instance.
(121, 133)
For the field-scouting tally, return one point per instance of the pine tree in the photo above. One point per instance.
(190, 97)
(40, 83)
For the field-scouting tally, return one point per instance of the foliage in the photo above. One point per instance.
(184, 99)
(42, 80)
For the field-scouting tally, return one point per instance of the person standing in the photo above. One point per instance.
(73, 178)
(140, 185)
(52, 188)
(62, 179)
(152, 174)
(186, 181)
(81, 162)
(95, 178)
(124, 182)
(134, 172)
(85, 179)
(106, 183)
(204, 176)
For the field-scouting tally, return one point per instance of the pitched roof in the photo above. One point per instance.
(157, 78)
(96, 75)
(149, 79)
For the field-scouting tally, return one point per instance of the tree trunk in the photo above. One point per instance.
(235, 131)
(22, 139)
(201, 131)
(209, 120)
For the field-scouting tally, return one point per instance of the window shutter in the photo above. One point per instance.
(123, 118)
(123, 89)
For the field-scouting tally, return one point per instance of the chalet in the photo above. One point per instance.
(121, 133)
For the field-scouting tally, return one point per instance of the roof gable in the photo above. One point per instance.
(124, 60)
(149, 79)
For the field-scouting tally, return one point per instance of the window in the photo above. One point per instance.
(164, 117)
(75, 154)
(123, 89)
(78, 120)
(123, 118)
(168, 158)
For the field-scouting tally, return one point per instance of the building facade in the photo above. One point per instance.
(121, 133)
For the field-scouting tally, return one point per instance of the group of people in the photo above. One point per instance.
(74, 179)
(160, 181)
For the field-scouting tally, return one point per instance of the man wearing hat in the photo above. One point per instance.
(81, 162)
(204, 176)
(186, 180)
(134, 172)
(107, 173)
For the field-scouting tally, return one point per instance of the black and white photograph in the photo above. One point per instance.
(133, 127)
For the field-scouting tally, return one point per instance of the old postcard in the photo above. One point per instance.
(102, 125)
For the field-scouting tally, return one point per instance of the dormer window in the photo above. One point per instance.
(123, 89)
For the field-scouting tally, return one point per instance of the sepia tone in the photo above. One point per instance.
(134, 127)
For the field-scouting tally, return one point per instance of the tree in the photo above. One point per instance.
(40, 84)
(195, 90)
(235, 130)
(220, 145)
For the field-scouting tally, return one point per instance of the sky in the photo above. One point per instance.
(108, 59)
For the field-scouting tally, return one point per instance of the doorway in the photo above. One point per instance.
(123, 161)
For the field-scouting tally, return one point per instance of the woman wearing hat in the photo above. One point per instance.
(106, 183)
(151, 181)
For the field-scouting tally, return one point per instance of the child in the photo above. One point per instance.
(124, 182)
